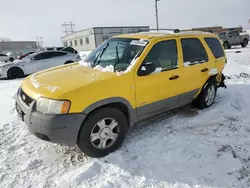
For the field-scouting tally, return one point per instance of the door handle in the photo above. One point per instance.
(204, 70)
(174, 77)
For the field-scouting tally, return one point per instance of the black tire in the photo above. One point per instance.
(244, 43)
(11, 59)
(201, 101)
(84, 141)
(15, 72)
(226, 45)
(68, 62)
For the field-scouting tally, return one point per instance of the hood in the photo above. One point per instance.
(11, 64)
(58, 81)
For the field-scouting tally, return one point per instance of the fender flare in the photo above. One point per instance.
(125, 102)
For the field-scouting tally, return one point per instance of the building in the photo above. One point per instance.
(15, 48)
(89, 39)
(216, 29)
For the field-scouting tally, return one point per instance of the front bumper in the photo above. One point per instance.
(61, 129)
(3, 74)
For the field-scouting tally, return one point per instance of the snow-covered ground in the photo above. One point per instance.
(183, 148)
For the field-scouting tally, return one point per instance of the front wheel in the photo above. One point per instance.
(244, 43)
(207, 96)
(15, 72)
(103, 132)
(226, 45)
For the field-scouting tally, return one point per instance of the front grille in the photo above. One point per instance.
(25, 98)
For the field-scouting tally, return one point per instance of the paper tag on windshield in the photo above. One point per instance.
(139, 42)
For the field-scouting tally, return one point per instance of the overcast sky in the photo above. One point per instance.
(27, 19)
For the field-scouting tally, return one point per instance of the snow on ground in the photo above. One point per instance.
(183, 148)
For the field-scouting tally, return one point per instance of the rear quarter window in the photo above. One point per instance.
(215, 46)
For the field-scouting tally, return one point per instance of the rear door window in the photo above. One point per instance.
(164, 55)
(193, 51)
(57, 54)
(41, 56)
(215, 46)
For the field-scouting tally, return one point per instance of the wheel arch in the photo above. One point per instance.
(212, 78)
(116, 102)
(246, 39)
(68, 62)
(15, 67)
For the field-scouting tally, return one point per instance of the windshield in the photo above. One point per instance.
(221, 35)
(30, 56)
(116, 52)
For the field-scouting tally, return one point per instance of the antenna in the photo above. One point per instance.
(68, 27)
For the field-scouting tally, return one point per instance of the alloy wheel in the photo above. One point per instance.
(104, 133)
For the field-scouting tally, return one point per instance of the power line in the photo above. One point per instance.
(68, 27)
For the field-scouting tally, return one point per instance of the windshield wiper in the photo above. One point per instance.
(100, 55)
(117, 57)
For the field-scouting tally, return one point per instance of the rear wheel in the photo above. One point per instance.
(207, 96)
(15, 72)
(244, 43)
(11, 59)
(102, 132)
(68, 62)
(226, 45)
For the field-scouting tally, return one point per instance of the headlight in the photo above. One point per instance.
(1, 69)
(49, 106)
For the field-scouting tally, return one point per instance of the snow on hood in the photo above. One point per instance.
(84, 63)
(84, 54)
(37, 85)
(109, 68)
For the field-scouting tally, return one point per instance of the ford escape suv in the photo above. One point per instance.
(127, 78)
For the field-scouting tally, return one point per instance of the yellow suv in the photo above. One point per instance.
(127, 78)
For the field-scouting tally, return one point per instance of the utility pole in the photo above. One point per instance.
(68, 27)
(39, 41)
(156, 14)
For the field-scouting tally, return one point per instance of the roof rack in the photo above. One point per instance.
(174, 30)
(178, 30)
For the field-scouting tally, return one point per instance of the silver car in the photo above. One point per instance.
(36, 62)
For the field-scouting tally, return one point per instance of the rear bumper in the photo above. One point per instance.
(61, 129)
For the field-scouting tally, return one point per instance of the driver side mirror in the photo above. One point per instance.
(147, 68)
